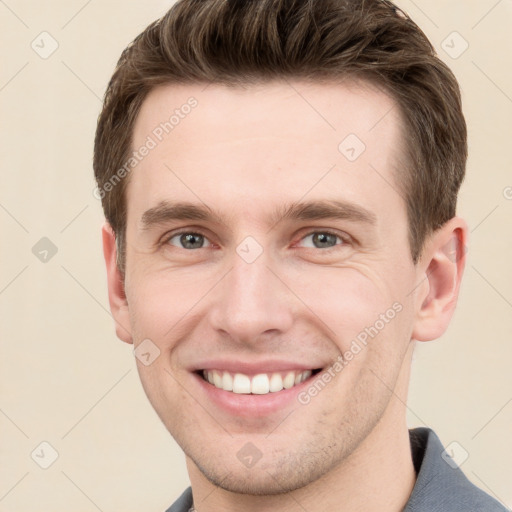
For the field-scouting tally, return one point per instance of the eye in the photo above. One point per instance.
(323, 240)
(187, 240)
(191, 240)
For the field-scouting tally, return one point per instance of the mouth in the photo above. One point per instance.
(258, 384)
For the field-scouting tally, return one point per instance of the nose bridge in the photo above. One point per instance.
(251, 300)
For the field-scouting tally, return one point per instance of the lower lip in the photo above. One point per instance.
(252, 405)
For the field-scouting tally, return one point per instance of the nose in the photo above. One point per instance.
(252, 302)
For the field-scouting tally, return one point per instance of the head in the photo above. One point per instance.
(268, 116)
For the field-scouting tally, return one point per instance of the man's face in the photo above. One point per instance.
(258, 292)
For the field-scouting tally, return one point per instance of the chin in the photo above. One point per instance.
(279, 474)
(260, 482)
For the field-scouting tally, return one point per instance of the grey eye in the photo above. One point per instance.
(189, 240)
(322, 240)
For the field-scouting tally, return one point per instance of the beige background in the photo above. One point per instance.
(66, 379)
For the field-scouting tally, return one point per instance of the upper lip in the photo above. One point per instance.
(252, 367)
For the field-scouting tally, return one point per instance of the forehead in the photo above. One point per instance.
(265, 143)
(329, 108)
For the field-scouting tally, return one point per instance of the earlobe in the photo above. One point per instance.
(116, 291)
(442, 265)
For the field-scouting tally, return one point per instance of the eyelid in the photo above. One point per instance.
(344, 237)
(171, 234)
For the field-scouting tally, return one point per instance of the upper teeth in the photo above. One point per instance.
(260, 384)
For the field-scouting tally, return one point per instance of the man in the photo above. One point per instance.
(279, 180)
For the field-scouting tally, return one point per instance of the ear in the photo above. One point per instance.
(116, 293)
(441, 267)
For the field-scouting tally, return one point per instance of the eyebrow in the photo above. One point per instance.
(166, 211)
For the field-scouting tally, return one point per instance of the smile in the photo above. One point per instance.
(260, 384)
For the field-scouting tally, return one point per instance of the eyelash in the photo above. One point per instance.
(344, 239)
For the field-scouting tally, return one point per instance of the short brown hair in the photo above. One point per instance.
(240, 42)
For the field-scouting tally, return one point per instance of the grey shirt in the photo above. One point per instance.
(439, 486)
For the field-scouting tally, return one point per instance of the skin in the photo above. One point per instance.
(243, 152)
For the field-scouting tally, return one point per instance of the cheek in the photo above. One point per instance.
(162, 304)
(347, 301)
(344, 302)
